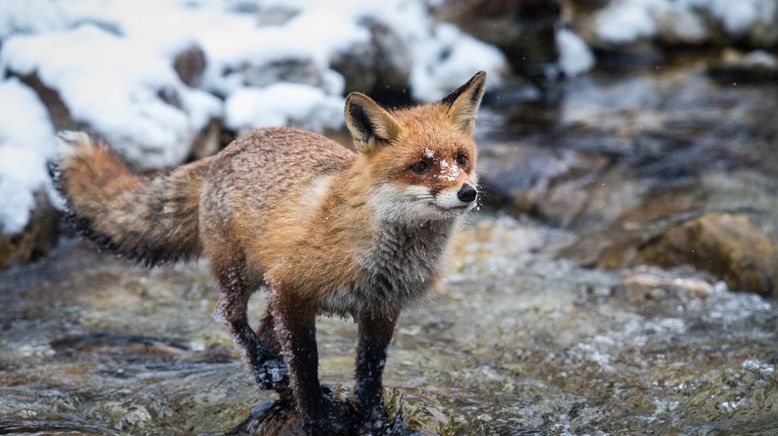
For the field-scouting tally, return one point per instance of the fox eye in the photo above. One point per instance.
(420, 167)
(461, 159)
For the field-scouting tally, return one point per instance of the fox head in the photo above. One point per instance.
(419, 161)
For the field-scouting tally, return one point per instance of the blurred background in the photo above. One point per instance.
(619, 277)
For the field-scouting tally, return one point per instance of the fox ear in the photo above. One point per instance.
(369, 123)
(462, 104)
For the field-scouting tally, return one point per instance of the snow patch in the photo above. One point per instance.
(111, 63)
(283, 104)
(738, 16)
(124, 96)
(575, 57)
(30, 16)
(624, 21)
(27, 141)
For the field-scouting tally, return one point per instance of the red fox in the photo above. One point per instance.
(325, 229)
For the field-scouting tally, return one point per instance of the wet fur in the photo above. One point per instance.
(151, 219)
(325, 229)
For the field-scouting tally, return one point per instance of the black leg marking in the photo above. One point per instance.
(295, 327)
(375, 334)
(262, 360)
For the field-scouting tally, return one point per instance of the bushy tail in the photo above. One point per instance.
(152, 219)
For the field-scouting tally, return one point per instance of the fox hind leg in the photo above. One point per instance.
(261, 354)
(273, 370)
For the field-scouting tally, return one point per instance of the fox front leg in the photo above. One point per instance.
(375, 334)
(294, 323)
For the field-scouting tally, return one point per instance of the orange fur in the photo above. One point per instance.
(326, 229)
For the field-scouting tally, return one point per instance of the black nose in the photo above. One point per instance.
(467, 193)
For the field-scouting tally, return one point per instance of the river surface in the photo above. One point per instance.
(531, 332)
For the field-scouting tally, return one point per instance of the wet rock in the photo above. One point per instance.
(641, 287)
(754, 67)
(728, 246)
(559, 186)
(525, 30)
(519, 174)
(626, 59)
(380, 67)
(37, 238)
(190, 65)
(272, 418)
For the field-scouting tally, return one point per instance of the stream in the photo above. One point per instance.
(562, 312)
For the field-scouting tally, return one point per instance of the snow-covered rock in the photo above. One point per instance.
(26, 144)
(623, 22)
(151, 76)
(575, 57)
(283, 104)
(524, 30)
(30, 16)
(132, 97)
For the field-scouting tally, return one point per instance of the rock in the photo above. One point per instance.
(190, 65)
(735, 67)
(728, 246)
(37, 238)
(210, 140)
(380, 67)
(205, 142)
(640, 287)
(269, 14)
(560, 186)
(59, 113)
(524, 30)
(292, 70)
(765, 33)
(617, 25)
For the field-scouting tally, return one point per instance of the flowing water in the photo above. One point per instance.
(522, 337)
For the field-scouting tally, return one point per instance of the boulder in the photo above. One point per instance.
(380, 66)
(729, 246)
(190, 65)
(37, 238)
(559, 186)
(59, 113)
(524, 30)
(642, 287)
(736, 67)
(206, 142)
(292, 70)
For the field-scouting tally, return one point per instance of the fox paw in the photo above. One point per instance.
(377, 422)
(271, 374)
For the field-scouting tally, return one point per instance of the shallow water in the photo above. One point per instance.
(518, 339)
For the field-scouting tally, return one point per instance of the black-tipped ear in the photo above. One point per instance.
(464, 102)
(369, 123)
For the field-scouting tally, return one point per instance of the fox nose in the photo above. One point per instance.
(466, 193)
